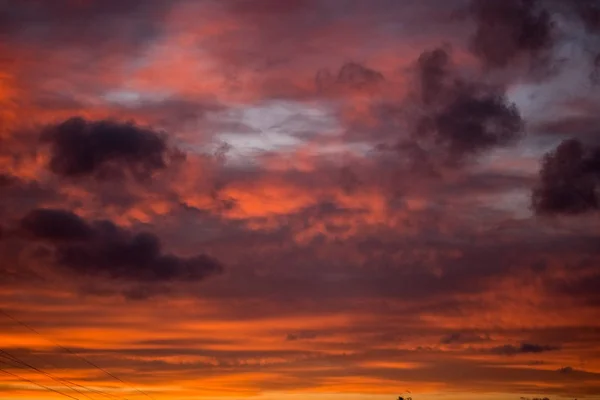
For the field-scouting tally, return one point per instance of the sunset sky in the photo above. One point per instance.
(299, 199)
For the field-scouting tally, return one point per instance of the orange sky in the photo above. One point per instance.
(299, 199)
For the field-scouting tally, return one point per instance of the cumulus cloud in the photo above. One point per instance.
(100, 248)
(568, 180)
(460, 118)
(82, 148)
(474, 121)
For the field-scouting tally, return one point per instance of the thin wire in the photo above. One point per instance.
(68, 382)
(37, 384)
(27, 365)
(75, 354)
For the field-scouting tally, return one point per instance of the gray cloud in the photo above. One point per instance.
(101, 248)
(83, 148)
(508, 29)
(523, 348)
(568, 181)
(460, 118)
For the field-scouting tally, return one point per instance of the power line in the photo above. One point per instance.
(37, 384)
(66, 381)
(23, 364)
(75, 354)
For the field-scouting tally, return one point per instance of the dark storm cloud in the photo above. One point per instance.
(461, 118)
(80, 147)
(568, 180)
(524, 348)
(476, 120)
(101, 248)
(508, 29)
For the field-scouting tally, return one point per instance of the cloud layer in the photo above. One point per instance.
(301, 198)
